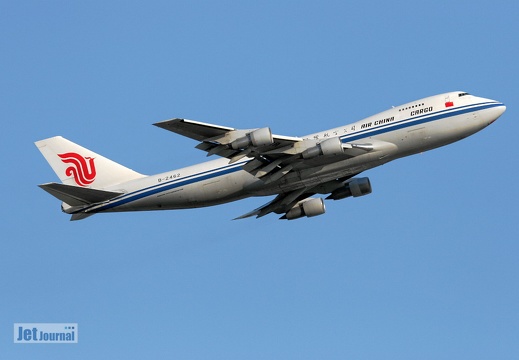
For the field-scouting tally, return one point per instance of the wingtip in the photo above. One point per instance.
(242, 217)
(248, 215)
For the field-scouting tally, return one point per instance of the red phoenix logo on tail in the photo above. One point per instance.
(84, 173)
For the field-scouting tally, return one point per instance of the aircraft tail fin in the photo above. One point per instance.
(80, 167)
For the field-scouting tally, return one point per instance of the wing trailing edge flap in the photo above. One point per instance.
(78, 196)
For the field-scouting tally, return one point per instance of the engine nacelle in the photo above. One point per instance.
(331, 146)
(356, 187)
(259, 137)
(308, 208)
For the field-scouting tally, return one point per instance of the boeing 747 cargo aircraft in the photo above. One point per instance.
(256, 162)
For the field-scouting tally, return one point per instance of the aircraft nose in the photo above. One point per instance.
(497, 111)
(501, 109)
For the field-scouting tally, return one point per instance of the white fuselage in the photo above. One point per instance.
(404, 130)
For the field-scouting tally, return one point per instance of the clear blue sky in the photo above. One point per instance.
(426, 267)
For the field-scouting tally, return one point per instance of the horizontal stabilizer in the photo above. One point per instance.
(80, 216)
(78, 196)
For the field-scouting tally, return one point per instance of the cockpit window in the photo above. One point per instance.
(463, 94)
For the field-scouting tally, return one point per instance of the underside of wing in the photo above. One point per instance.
(298, 203)
(281, 204)
(266, 150)
(211, 133)
(271, 157)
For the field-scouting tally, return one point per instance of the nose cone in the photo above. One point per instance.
(501, 109)
(491, 110)
(496, 111)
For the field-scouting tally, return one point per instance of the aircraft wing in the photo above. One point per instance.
(272, 156)
(283, 202)
(212, 136)
(266, 148)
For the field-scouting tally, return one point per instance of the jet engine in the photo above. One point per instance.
(308, 208)
(259, 137)
(332, 146)
(355, 187)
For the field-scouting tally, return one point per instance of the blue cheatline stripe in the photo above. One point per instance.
(164, 186)
(422, 119)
